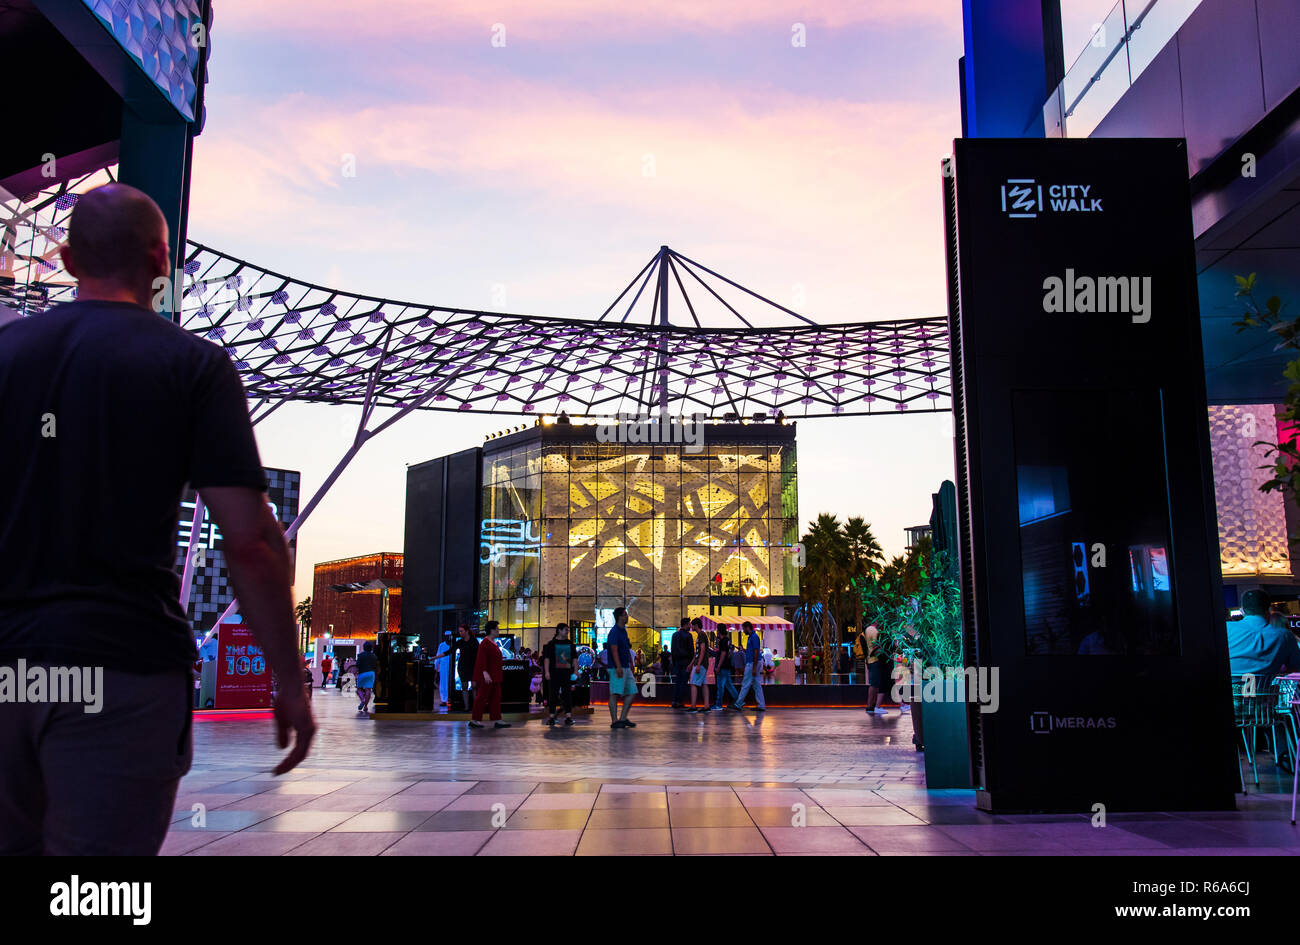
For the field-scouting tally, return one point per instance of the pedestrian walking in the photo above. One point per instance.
(366, 666)
(753, 669)
(487, 680)
(700, 667)
(557, 668)
(88, 521)
(466, 654)
(722, 669)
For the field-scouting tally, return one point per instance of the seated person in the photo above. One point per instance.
(1258, 648)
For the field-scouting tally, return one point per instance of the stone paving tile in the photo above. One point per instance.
(548, 820)
(626, 842)
(275, 802)
(486, 801)
(830, 840)
(631, 801)
(864, 816)
(503, 787)
(812, 816)
(382, 821)
(532, 843)
(888, 840)
(348, 803)
(346, 844)
(625, 818)
(838, 797)
(451, 788)
(217, 820)
(178, 843)
(709, 817)
(309, 787)
(430, 803)
(460, 820)
(996, 838)
(694, 841)
(245, 843)
(537, 801)
(714, 800)
(445, 843)
(303, 821)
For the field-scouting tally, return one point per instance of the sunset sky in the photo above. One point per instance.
(800, 171)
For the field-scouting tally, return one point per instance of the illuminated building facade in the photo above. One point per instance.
(348, 596)
(566, 527)
(572, 527)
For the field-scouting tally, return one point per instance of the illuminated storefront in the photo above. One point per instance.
(571, 527)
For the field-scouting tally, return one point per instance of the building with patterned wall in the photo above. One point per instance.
(347, 597)
(212, 590)
(1253, 525)
(572, 527)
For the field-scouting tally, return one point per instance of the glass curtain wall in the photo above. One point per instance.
(573, 530)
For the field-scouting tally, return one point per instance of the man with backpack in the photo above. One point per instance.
(723, 667)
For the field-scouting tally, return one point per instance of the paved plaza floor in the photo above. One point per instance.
(788, 781)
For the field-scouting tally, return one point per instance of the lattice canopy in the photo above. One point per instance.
(292, 340)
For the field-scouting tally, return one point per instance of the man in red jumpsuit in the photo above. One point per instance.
(487, 680)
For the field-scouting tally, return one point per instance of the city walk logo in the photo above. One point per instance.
(662, 430)
(48, 684)
(75, 898)
(1101, 295)
(946, 684)
(1024, 198)
(1044, 723)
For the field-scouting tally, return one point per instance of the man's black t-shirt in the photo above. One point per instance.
(367, 662)
(560, 653)
(683, 646)
(106, 411)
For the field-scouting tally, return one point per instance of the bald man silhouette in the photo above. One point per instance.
(107, 411)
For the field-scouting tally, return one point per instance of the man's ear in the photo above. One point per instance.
(161, 258)
(65, 254)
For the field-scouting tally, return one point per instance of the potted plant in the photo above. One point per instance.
(921, 626)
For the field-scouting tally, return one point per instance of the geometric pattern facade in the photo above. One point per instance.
(1252, 524)
(572, 528)
(158, 35)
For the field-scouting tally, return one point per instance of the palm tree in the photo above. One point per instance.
(303, 613)
(825, 575)
(865, 558)
(864, 550)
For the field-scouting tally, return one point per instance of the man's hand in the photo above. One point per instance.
(293, 713)
(487, 677)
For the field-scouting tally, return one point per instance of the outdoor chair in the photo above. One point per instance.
(1254, 707)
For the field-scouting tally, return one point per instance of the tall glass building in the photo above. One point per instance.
(569, 528)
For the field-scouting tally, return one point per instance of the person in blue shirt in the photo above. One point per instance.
(1256, 648)
(753, 670)
(622, 679)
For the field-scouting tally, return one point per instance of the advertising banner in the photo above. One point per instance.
(243, 678)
